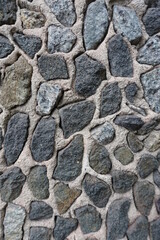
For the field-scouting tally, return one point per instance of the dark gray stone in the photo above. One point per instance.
(42, 144)
(151, 21)
(40, 210)
(99, 159)
(146, 165)
(143, 192)
(134, 143)
(53, 67)
(117, 219)
(152, 3)
(131, 91)
(69, 162)
(124, 155)
(64, 227)
(28, 43)
(1, 138)
(130, 122)
(11, 184)
(38, 182)
(126, 22)
(119, 56)
(15, 137)
(158, 206)
(148, 127)
(5, 47)
(39, 233)
(8, 12)
(156, 178)
(89, 218)
(139, 229)
(122, 181)
(97, 190)
(155, 229)
(95, 24)
(111, 98)
(76, 116)
(89, 75)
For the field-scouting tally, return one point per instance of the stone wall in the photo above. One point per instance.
(79, 116)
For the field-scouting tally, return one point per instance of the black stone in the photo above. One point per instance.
(8, 12)
(130, 122)
(139, 229)
(151, 21)
(156, 178)
(131, 91)
(146, 165)
(39, 233)
(155, 229)
(5, 47)
(40, 210)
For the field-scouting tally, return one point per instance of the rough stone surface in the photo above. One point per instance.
(124, 155)
(156, 178)
(32, 19)
(117, 219)
(119, 56)
(122, 181)
(38, 182)
(69, 162)
(146, 165)
(16, 87)
(40, 210)
(148, 127)
(52, 67)
(99, 159)
(76, 116)
(139, 229)
(103, 133)
(89, 218)
(6, 47)
(155, 229)
(152, 142)
(13, 222)
(134, 143)
(158, 206)
(15, 137)
(111, 98)
(143, 192)
(151, 21)
(152, 3)
(130, 122)
(48, 97)
(64, 11)
(11, 184)
(64, 227)
(37, 233)
(95, 24)
(127, 23)
(65, 196)
(89, 75)
(97, 190)
(131, 91)
(8, 11)
(60, 39)
(42, 144)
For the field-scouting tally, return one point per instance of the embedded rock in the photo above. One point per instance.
(124, 155)
(139, 230)
(156, 178)
(8, 12)
(130, 122)
(131, 91)
(40, 210)
(151, 21)
(148, 126)
(152, 3)
(32, 19)
(134, 143)
(6, 47)
(37, 233)
(146, 165)
(155, 229)
(152, 142)
(158, 206)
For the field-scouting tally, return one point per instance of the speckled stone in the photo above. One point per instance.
(155, 229)
(152, 142)
(32, 19)
(124, 155)
(139, 229)
(8, 12)
(130, 122)
(37, 233)
(40, 210)
(148, 126)
(6, 47)
(151, 21)
(146, 165)
(134, 143)
(131, 91)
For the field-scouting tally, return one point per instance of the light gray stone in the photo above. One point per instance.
(139, 229)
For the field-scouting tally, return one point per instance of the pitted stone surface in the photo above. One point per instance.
(146, 165)
(6, 47)
(155, 229)
(124, 155)
(8, 12)
(37, 233)
(134, 143)
(139, 230)
(32, 19)
(151, 21)
(40, 210)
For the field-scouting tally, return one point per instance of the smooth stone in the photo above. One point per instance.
(89, 75)
(119, 56)
(32, 19)
(111, 99)
(139, 229)
(148, 126)
(11, 184)
(6, 47)
(39, 233)
(158, 206)
(152, 142)
(155, 229)
(156, 178)
(143, 192)
(8, 12)
(146, 165)
(89, 218)
(15, 137)
(76, 116)
(97, 190)
(130, 122)
(151, 21)
(123, 155)
(134, 143)
(40, 210)
(96, 24)
(69, 162)
(131, 91)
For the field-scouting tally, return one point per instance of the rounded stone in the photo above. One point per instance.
(134, 143)
(146, 165)
(131, 91)
(124, 155)
(8, 10)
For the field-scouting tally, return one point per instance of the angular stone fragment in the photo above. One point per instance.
(146, 165)
(8, 12)
(17, 80)
(151, 21)
(119, 56)
(124, 155)
(131, 91)
(89, 218)
(32, 19)
(155, 229)
(60, 39)
(37, 233)
(130, 122)
(148, 126)
(38, 182)
(103, 133)
(99, 159)
(117, 219)
(111, 98)
(122, 181)
(143, 192)
(65, 196)
(64, 227)
(11, 184)
(40, 210)
(76, 116)
(134, 143)
(5, 46)
(48, 97)
(158, 206)
(42, 144)
(139, 229)
(52, 67)
(89, 75)
(156, 178)
(97, 190)
(13, 222)
(126, 22)
(152, 142)
(69, 162)
(15, 137)
(95, 24)
(28, 43)
(152, 3)
(64, 11)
